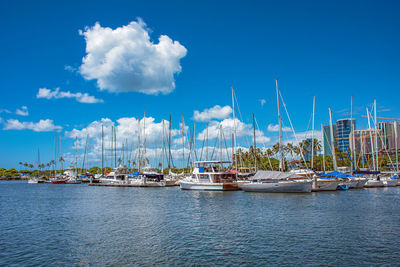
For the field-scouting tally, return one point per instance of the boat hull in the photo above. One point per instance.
(279, 187)
(321, 185)
(58, 182)
(186, 185)
(390, 183)
(374, 183)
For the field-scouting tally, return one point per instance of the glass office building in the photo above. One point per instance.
(343, 130)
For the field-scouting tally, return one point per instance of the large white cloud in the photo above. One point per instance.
(23, 111)
(216, 112)
(125, 59)
(40, 126)
(56, 94)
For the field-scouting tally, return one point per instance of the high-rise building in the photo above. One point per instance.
(343, 130)
(326, 135)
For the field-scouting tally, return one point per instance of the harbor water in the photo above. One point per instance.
(80, 225)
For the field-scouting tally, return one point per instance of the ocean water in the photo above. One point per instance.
(80, 225)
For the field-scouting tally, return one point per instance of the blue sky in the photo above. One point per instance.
(327, 49)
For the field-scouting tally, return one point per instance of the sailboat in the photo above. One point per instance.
(278, 181)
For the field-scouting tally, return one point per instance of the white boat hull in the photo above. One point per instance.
(279, 187)
(352, 184)
(325, 185)
(33, 181)
(390, 183)
(361, 183)
(374, 183)
(188, 185)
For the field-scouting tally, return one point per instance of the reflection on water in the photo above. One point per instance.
(45, 224)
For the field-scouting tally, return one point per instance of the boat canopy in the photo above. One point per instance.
(276, 175)
(210, 162)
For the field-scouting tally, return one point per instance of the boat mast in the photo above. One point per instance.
(206, 141)
(59, 152)
(220, 144)
(139, 146)
(115, 147)
(353, 142)
(376, 137)
(395, 144)
(281, 163)
(39, 166)
(255, 146)
(312, 134)
(163, 148)
(332, 140)
(183, 145)
(323, 146)
(112, 146)
(169, 145)
(55, 156)
(102, 150)
(76, 156)
(371, 140)
(234, 129)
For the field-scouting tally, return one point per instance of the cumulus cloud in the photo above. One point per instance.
(125, 59)
(57, 94)
(228, 127)
(275, 128)
(40, 126)
(23, 111)
(70, 68)
(216, 112)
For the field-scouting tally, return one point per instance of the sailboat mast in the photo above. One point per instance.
(376, 137)
(183, 145)
(144, 140)
(395, 144)
(55, 156)
(323, 146)
(207, 141)
(255, 146)
(353, 140)
(163, 148)
(76, 156)
(280, 128)
(115, 147)
(312, 134)
(371, 140)
(234, 128)
(60, 155)
(169, 145)
(102, 151)
(332, 140)
(139, 146)
(220, 144)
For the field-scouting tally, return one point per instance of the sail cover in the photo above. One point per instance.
(265, 175)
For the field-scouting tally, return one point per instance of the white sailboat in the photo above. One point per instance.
(278, 181)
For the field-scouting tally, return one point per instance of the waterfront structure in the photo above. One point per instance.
(388, 135)
(343, 129)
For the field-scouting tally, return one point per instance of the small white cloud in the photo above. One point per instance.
(23, 111)
(275, 128)
(56, 94)
(262, 102)
(216, 112)
(5, 111)
(70, 68)
(40, 126)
